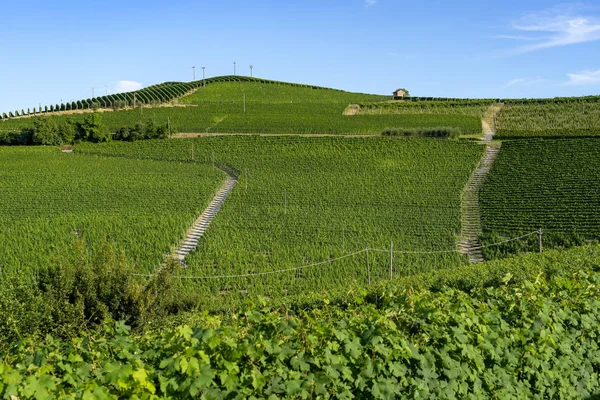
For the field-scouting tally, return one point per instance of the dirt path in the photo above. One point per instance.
(468, 241)
(352, 109)
(487, 122)
(187, 135)
(196, 231)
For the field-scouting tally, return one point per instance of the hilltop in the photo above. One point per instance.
(234, 104)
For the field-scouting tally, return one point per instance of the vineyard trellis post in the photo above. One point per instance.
(244, 103)
(368, 268)
(285, 201)
(169, 126)
(540, 240)
(391, 260)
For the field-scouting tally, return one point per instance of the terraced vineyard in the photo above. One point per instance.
(551, 118)
(471, 108)
(301, 201)
(257, 106)
(550, 184)
(49, 200)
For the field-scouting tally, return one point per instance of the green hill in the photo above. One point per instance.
(269, 107)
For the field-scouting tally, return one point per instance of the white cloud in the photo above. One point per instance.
(584, 78)
(526, 81)
(127, 86)
(517, 37)
(514, 82)
(370, 3)
(559, 26)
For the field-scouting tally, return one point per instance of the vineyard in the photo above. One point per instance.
(151, 95)
(533, 337)
(470, 108)
(273, 263)
(550, 184)
(50, 200)
(257, 106)
(559, 118)
(301, 201)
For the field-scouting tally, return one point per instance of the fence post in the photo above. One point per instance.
(540, 237)
(391, 259)
(368, 268)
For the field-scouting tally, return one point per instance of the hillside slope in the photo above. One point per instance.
(258, 106)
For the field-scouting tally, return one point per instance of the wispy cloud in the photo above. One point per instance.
(369, 3)
(526, 82)
(584, 78)
(127, 86)
(517, 37)
(558, 26)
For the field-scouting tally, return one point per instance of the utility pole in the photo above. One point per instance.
(106, 90)
(251, 71)
(169, 126)
(194, 73)
(203, 75)
(134, 101)
(234, 68)
(244, 102)
(285, 201)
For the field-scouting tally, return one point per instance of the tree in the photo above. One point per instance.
(45, 132)
(92, 129)
(66, 131)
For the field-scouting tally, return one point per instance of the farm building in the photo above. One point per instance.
(400, 93)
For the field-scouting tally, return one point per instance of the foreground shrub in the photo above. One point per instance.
(536, 339)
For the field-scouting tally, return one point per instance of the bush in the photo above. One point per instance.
(92, 129)
(46, 131)
(83, 289)
(441, 132)
(141, 131)
(536, 339)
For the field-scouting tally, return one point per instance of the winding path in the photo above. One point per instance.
(468, 241)
(196, 231)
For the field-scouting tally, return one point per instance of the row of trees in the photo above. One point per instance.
(57, 132)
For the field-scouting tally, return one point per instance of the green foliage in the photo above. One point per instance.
(456, 107)
(92, 129)
(550, 184)
(141, 131)
(83, 289)
(51, 132)
(51, 200)
(443, 132)
(551, 118)
(301, 201)
(24, 137)
(273, 108)
(537, 339)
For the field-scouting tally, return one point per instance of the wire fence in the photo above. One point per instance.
(376, 268)
(332, 260)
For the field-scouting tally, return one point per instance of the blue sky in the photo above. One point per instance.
(60, 50)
